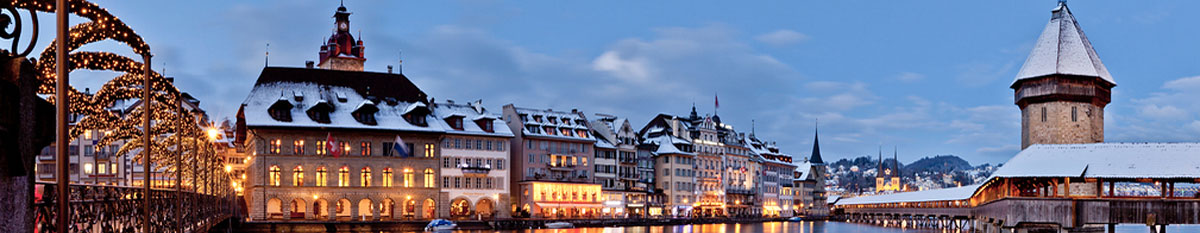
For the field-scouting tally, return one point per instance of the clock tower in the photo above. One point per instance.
(342, 51)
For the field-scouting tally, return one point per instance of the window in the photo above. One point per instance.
(488, 145)
(457, 182)
(446, 162)
(1074, 113)
(345, 147)
(102, 168)
(364, 149)
(457, 143)
(298, 147)
(445, 182)
(365, 180)
(429, 177)
(273, 146)
(321, 148)
(428, 150)
(343, 177)
(408, 178)
(298, 176)
(322, 177)
(274, 176)
(500, 164)
(87, 168)
(1043, 114)
(387, 177)
(387, 148)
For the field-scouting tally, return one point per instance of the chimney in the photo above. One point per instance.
(574, 110)
(309, 64)
(389, 69)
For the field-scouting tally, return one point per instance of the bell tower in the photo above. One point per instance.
(341, 51)
(1063, 87)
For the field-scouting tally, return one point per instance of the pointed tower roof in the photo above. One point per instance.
(1063, 49)
(816, 153)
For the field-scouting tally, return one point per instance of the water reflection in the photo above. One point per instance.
(766, 227)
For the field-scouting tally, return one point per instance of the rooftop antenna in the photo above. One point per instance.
(400, 62)
(267, 58)
(751, 126)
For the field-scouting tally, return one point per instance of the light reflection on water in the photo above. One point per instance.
(787, 227)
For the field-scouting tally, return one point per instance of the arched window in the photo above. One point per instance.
(343, 176)
(366, 177)
(387, 177)
(322, 176)
(275, 175)
(298, 176)
(429, 178)
(408, 177)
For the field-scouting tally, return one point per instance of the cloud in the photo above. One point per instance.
(909, 77)
(1164, 112)
(782, 37)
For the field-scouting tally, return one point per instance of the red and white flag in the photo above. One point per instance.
(331, 145)
(716, 101)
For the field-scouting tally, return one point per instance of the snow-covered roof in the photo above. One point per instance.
(389, 117)
(946, 194)
(601, 143)
(1063, 49)
(1106, 160)
(573, 121)
(666, 145)
(445, 110)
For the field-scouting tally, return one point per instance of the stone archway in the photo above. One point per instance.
(365, 210)
(274, 209)
(460, 207)
(485, 208)
(343, 209)
(429, 208)
(386, 210)
(320, 209)
(409, 208)
(297, 209)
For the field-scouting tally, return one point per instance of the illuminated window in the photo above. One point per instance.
(275, 173)
(429, 178)
(273, 146)
(298, 176)
(102, 168)
(408, 177)
(298, 147)
(429, 150)
(321, 148)
(345, 147)
(343, 177)
(387, 177)
(322, 177)
(366, 177)
(365, 149)
(87, 168)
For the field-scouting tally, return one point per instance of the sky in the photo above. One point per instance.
(925, 77)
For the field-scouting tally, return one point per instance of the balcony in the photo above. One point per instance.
(560, 166)
(475, 170)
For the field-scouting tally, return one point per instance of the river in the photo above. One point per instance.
(788, 227)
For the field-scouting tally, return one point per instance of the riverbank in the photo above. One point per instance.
(497, 224)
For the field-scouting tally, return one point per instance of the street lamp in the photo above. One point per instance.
(212, 134)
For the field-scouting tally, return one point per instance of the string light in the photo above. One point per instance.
(94, 109)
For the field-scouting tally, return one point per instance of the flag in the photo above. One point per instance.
(716, 101)
(331, 145)
(400, 148)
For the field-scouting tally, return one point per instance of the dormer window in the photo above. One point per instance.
(552, 119)
(566, 121)
(365, 113)
(299, 96)
(455, 121)
(281, 110)
(341, 97)
(415, 114)
(549, 130)
(319, 112)
(485, 123)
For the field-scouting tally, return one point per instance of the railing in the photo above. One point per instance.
(119, 209)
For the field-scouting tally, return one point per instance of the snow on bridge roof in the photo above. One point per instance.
(946, 194)
(1106, 160)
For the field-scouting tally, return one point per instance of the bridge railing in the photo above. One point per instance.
(99, 208)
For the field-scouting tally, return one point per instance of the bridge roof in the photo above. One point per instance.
(946, 194)
(1105, 160)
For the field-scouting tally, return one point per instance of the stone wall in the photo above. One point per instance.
(1059, 126)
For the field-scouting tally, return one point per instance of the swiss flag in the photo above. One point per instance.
(331, 145)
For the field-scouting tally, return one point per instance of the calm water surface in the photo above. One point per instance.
(788, 227)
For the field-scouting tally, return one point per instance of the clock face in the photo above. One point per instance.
(343, 26)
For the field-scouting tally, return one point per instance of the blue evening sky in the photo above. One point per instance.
(929, 77)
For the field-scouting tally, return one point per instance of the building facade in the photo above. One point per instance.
(626, 191)
(552, 164)
(475, 164)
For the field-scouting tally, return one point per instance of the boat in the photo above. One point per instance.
(440, 225)
(559, 225)
(795, 219)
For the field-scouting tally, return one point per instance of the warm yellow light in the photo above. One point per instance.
(314, 197)
(408, 197)
(212, 134)
(228, 168)
(234, 184)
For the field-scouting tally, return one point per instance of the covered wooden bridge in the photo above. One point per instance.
(1056, 188)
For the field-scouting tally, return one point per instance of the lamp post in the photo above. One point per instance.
(146, 107)
(61, 101)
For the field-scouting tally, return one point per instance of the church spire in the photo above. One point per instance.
(816, 152)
